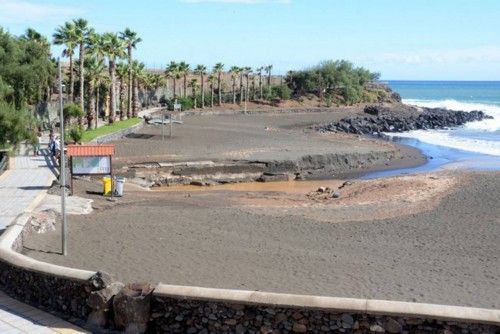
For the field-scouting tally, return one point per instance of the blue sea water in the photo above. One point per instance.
(475, 145)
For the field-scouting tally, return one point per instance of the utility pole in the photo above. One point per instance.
(62, 169)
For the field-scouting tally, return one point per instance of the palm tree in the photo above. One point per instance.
(268, 70)
(194, 85)
(122, 70)
(131, 39)
(94, 71)
(211, 80)
(81, 34)
(201, 70)
(219, 68)
(156, 81)
(65, 35)
(114, 48)
(259, 70)
(234, 70)
(137, 70)
(184, 71)
(173, 72)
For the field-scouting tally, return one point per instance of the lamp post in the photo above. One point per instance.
(62, 176)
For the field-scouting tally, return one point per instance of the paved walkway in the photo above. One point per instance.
(21, 188)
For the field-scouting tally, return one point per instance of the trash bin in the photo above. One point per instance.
(106, 184)
(119, 183)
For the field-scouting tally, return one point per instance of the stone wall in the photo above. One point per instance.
(171, 315)
(67, 297)
(118, 134)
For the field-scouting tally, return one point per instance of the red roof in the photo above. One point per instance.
(90, 150)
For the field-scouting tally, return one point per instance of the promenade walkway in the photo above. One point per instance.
(21, 188)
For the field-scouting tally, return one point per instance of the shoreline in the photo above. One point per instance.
(248, 147)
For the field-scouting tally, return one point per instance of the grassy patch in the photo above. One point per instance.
(107, 129)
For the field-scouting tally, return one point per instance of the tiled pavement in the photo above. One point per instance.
(20, 188)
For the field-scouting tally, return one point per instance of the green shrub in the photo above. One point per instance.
(186, 103)
(282, 92)
(70, 111)
(16, 125)
(76, 134)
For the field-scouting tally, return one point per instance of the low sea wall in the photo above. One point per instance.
(96, 301)
(119, 134)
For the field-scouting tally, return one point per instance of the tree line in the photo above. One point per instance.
(101, 66)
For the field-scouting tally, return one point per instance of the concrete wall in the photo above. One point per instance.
(95, 300)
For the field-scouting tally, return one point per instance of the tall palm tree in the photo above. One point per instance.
(65, 35)
(137, 71)
(81, 33)
(114, 48)
(201, 70)
(268, 70)
(259, 70)
(234, 70)
(194, 88)
(94, 71)
(122, 70)
(218, 69)
(184, 71)
(211, 80)
(131, 39)
(173, 72)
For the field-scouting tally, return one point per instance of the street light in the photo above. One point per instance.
(62, 176)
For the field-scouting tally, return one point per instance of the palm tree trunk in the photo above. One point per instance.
(241, 88)
(234, 90)
(260, 86)
(97, 109)
(219, 88)
(202, 92)
(82, 55)
(112, 112)
(247, 90)
(194, 96)
(136, 97)
(91, 106)
(71, 80)
(253, 89)
(175, 86)
(129, 97)
(122, 100)
(185, 85)
(211, 95)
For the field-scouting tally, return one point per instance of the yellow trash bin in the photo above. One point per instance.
(106, 183)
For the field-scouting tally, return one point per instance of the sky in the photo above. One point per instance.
(405, 40)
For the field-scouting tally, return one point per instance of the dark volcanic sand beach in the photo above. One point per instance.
(263, 137)
(427, 238)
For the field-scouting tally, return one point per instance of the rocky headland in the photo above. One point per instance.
(398, 117)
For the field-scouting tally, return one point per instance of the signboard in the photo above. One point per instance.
(97, 165)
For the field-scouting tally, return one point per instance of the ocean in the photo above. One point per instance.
(475, 145)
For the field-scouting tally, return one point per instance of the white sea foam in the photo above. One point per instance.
(446, 138)
(468, 139)
(489, 125)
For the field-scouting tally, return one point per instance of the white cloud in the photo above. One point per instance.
(245, 2)
(21, 11)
